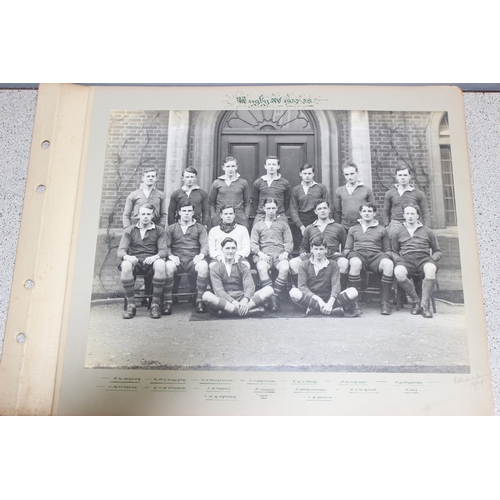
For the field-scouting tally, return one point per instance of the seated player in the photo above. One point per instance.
(335, 236)
(412, 244)
(233, 287)
(319, 285)
(368, 247)
(271, 243)
(228, 227)
(187, 246)
(142, 250)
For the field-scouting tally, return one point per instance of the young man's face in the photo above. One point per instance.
(229, 250)
(189, 179)
(145, 216)
(318, 251)
(322, 211)
(227, 216)
(367, 214)
(307, 175)
(271, 167)
(411, 215)
(350, 174)
(270, 209)
(403, 177)
(230, 168)
(149, 178)
(186, 214)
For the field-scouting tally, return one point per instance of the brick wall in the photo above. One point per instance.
(135, 139)
(397, 135)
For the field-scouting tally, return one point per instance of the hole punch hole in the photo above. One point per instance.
(40, 189)
(20, 338)
(45, 144)
(29, 284)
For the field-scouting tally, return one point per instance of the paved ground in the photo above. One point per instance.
(185, 340)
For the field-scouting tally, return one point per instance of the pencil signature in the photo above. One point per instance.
(477, 380)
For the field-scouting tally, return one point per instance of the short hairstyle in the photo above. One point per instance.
(319, 241)
(402, 166)
(272, 158)
(225, 207)
(229, 158)
(306, 166)
(319, 202)
(411, 205)
(147, 206)
(270, 200)
(348, 164)
(145, 170)
(368, 205)
(227, 240)
(190, 170)
(185, 204)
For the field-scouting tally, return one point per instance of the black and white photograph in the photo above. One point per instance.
(270, 250)
(264, 239)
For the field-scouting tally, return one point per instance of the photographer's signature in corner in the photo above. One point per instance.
(476, 380)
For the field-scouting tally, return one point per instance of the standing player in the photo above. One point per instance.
(230, 189)
(348, 198)
(192, 193)
(402, 194)
(319, 285)
(368, 247)
(271, 243)
(233, 287)
(187, 247)
(142, 249)
(416, 251)
(146, 194)
(271, 185)
(303, 200)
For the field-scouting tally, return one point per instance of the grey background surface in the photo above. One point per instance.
(17, 110)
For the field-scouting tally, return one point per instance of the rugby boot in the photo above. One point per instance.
(130, 312)
(155, 311)
(167, 309)
(385, 294)
(416, 309)
(256, 312)
(337, 312)
(201, 306)
(426, 312)
(275, 307)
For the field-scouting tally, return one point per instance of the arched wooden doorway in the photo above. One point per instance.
(251, 135)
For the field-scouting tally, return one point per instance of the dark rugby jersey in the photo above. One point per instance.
(325, 284)
(375, 239)
(416, 246)
(334, 234)
(154, 242)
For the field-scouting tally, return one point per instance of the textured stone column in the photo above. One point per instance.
(359, 137)
(177, 148)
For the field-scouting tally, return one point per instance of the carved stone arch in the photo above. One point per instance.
(206, 142)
